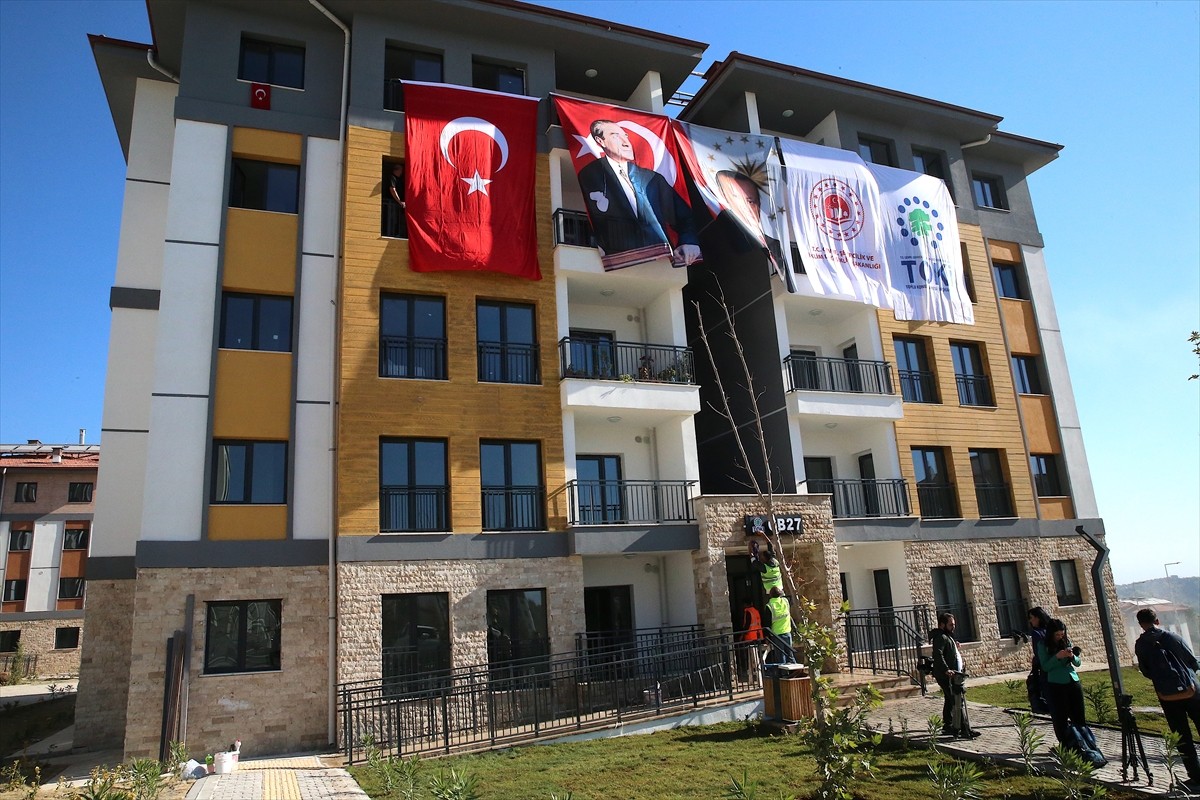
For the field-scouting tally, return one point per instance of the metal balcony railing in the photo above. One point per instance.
(974, 390)
(503, 362)
(887, 640)
(413, 508)
(964, 617)
(864, 498)
(1011, 616)
(629, 502)
(818, 374)
(573, 228)
(393, 94)
(937, 500)
(627, 361)
(514, 508)
(411, 357)
(995, 500)
(917, 386)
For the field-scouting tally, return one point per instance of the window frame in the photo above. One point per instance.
(25, 492)
(867, 146)
(988, 464)
(25, 545)
(243, 606)
(970, 374)
(1047, 475)
(273, 49)
(412, 457)
(1027, 374)
(80, 491)
(923, 157)
(510, 512)
(58, 634)
(10, 590)
(988, 192)
(77, 585)
(913, 381)
(409, 340)
(256, 321)
(1062, 597)
(1010, 610)
(406, 618)
(940, 490)
(248, 472)
(966, 629)
(10, 640)
(531, 653)
(242, 170)
(490, 364)
(393, 90)
(87, 538)
(1009, 282)
(495, 70)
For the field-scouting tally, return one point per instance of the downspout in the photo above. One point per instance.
(331, 728)
(153, 62)
(1110, 645)
(978, 143)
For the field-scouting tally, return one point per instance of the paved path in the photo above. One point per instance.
(302, 778)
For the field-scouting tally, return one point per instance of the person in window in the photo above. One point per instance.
(396, 221)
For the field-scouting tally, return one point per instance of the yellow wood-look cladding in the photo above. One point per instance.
(460, 409)
(1020, 326)
(282, 148)
(1057, 508)
(963, 428)
(1008, 252)
(260, 252)
(245, 522)
(253, 395)
(1041, 427)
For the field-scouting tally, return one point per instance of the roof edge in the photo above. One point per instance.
(596, 22)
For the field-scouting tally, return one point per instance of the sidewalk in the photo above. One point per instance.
(296, 778)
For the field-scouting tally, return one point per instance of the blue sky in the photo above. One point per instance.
(1117, 83)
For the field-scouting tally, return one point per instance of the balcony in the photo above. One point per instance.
(974, 390)
(413, 508)
(625, 361)
(573, 228)
(513, 508)
(917, 386)
(629, 502)
(937, 501)
(502, 362)
(410, 357)
(995, 500)
(864, 498)
(813, 373)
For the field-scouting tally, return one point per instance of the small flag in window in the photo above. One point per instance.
(260, 96)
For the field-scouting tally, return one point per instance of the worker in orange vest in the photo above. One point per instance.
(749, 637)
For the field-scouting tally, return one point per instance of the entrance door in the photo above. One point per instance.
(870, 489)
(883, 601)
(853, 381)
(819, 472)
(599, 489)
(608, 617)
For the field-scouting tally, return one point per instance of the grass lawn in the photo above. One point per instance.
(697, 763)
(27, 724)
(1010, 696)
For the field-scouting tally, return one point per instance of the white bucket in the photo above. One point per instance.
(225, 763)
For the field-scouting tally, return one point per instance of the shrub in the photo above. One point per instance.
(955, 780)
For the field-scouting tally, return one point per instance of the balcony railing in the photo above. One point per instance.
(965, 629)
(502, 362)
(974, 390)
(413, 508)
(1011, 616)
(514, 508)
(393, 94)
(937, 500)
(573, 228)
(995, 500)
(628, 361)
(917, 386)
(411, 357)
(864, 498)
(629, 502)
(814, 373)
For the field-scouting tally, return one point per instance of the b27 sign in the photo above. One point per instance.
(760, 524)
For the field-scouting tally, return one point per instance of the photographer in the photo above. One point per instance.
(1059, 659)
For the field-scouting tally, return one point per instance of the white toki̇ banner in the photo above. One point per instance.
(832, 207)
(923, 251)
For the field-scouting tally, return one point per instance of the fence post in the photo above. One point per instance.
(446, 719)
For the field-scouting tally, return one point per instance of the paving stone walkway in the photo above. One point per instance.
(302, 778)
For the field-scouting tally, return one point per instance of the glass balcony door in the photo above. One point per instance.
(600, 497)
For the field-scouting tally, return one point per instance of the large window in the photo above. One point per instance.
(991, 490)
(75, 538)
(416, 640)
(242, 636)
(497, 77)
(264, 186)
(507, 339)
(14, 590)
(511, 475)
(950, 596)
(26, 492)
(66, 638)
(930, 162)
(917, 383)
(989, 192)
(412, 337)
(876, 151)
(518, 641)
(1046, 480)
(1008, 280)
(974, 388)
(600, 496)
(393, 216)
(271, 62)
(9, 641)
(249, 472)
(79, 492)
(1006, 591)
(1066, 583)
(1027, 374)
(256, 322)
(70, 588)
(402, 64)
(20, 540)
(935, 492)
(413, 485)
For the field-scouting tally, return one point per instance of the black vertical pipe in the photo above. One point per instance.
(1110, 646)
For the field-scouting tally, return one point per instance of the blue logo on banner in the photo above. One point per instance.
(918, 221)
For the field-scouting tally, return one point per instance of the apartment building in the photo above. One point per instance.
(46, 510)
(325, 467)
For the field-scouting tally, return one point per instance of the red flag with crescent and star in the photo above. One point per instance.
(471, 164)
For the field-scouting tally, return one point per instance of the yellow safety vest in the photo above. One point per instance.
(771, 577)
(781, 615)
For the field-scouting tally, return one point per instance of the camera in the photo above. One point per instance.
(1076, 649)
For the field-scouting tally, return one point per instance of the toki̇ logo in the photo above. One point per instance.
(918, 220)
(836, 209)
(927, 271)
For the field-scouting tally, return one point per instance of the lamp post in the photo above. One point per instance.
(1166, 570)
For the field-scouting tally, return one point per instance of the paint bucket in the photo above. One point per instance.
(225, 763)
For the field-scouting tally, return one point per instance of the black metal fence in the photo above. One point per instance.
(413, 508)
(513, 508)
(29, 663)
(917, 386)
(974, 390)
(630, 361)
(504, 362)
(995, 500)
(1011, 616)
(622, 502)
(888, 640)
(573, 228)
(864, 498)
(937, 500)
(820, 374)
(483, 706)
(412, 357)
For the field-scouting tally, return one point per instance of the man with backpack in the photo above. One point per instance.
(1166, 660)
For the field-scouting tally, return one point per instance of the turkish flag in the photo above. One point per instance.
(471, 164)
(260, 96)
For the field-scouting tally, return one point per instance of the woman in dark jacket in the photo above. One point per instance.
(1037, 633)
(1059, 660)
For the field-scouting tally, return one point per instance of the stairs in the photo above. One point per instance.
(892, 687)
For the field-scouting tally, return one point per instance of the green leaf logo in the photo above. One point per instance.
(918, 222)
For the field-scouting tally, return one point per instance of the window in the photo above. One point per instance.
(498, 77)
(989, 192)
(600, 495)
(991, 490)
(935, 492)
(517, 632)
(20, 541)
(876, 151)
(912, 366)
(256, 322)
(968, 279)
(974, 388)
(1066, 583)
(1027, 375)
(1008, 280)
(950, 596)
(416, 640)
(1006, 591)
(511, 474)
(930, 162)
(508, 351)
(242, 636)
(1046, 479)
(14, 591)
(271, 62)
(9, 641)
(393, 218)
(66, 638)
(401, 64)
(413, 485)
(79, 492)
(249, 472)
(75, 539)
(26, 493)
(70, 588)
(592, 354)
(412, 337)
(264, 186)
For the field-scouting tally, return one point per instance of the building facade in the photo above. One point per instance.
(324, 467)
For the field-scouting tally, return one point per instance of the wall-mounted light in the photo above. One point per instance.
(831, 425)
(591, 72)
(815, 312)
(607, 292)
(614, 419)
(787, 113)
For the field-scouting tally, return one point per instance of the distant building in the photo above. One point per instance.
(1175, 617)
(46, 504)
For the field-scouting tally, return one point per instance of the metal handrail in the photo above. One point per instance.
(573, 228)
(513, 508)
(621, 502)
(937, 500)
(917, 386)
(508, 362)
(974, 390)
(995, 500)
(875, 497)
(888, 640)
(1011, 617)
(599, 360)
(412, 357)
(413, 508)
(820, 374)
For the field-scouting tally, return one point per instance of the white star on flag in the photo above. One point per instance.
(476, 183)
(588, 145)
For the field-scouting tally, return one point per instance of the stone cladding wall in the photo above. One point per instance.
(37, 639)
(104, 665)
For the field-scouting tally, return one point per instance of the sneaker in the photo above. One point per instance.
(971, 735)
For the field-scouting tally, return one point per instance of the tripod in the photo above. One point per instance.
(1131, 741)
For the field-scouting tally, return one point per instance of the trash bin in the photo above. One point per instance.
(787, 693)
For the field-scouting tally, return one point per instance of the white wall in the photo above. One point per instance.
(605, 438)
(859, 561)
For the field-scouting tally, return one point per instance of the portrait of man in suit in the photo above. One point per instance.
(632, 207)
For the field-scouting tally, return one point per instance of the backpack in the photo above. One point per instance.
(1171, 678)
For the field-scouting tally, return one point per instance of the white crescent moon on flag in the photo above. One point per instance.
(260, 94)
(462, 124)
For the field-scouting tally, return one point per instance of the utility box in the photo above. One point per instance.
(787, 693)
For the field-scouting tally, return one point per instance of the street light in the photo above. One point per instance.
(1166, 571)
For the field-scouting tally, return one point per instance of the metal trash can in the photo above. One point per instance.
(787, 693)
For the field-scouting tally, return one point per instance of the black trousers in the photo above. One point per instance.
(1177, 713)
(1066, 708)
(948, 725)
